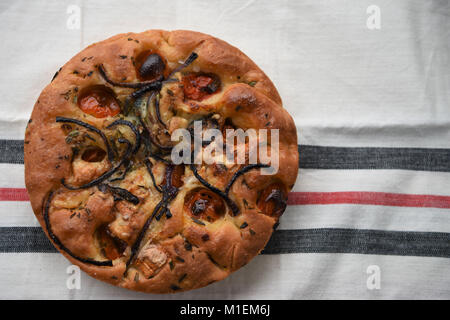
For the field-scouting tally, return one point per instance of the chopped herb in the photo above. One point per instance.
(179, 259)
(71, 135)
(136, 277)
(171, 265)
(66, 94)
(73, 215)
(252, 232)
(252, 83)
(66, 127)
(188, 246)
(245, 203)
(174, 287)
(90, 73)
(198, 221)
(205, 237)
(123, 57)
(244, 225)
(238, 108)
(75, 72)
(182, 277)
(129, 39)
(170, 92)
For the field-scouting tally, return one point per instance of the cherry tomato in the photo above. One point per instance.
(272, 201)
(99, 103)
(199, 86)
(111, 247)
(204, 204)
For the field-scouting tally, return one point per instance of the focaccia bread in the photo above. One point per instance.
(99, 171)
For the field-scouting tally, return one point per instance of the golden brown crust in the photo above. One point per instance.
(177, 253)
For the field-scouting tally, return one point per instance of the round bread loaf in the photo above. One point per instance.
(100, 173)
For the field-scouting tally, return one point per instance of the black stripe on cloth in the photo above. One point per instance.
(423, 159)
(318, 157)
(360, 241)
(24, 239)
(357, 241)
(11, 151)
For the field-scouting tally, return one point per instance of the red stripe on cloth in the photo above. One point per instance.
(13, 194)
(308, 198)
(370, 198)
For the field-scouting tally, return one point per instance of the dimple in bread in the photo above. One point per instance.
(99, 174)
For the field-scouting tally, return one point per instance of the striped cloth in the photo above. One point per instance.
(369, 215)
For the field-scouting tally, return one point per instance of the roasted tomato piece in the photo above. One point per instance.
(177, 176)
(150, 65)
(93, 154)
(204, 204)
(198, 86)
(98, 101)
(110, 246)
(272, 200)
